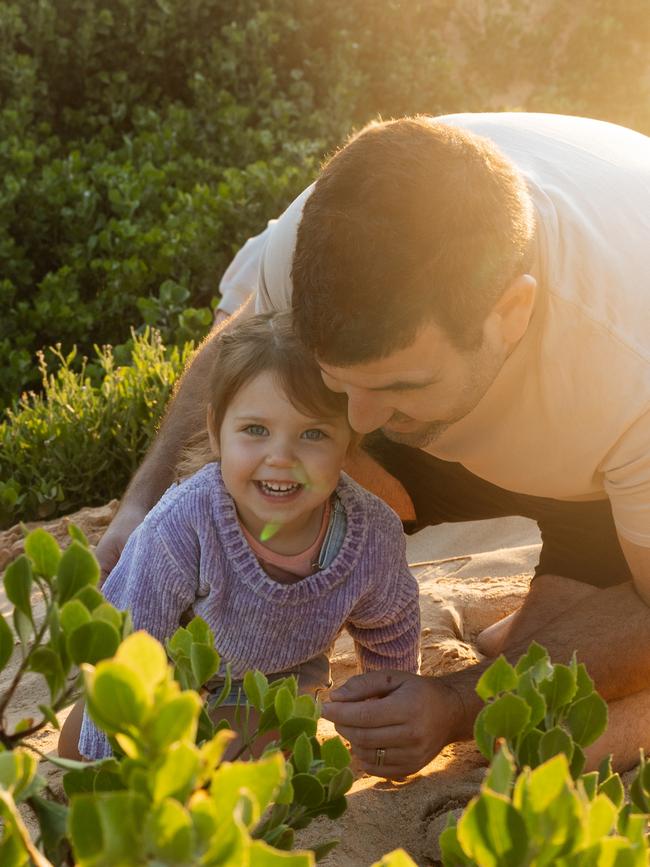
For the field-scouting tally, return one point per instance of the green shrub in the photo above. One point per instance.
(142, 142)
(536, 807)
(166, 798)
(79, 441)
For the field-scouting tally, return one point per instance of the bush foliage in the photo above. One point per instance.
(141, 141)
(79, 441)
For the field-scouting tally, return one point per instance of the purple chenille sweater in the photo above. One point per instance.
(190, 552)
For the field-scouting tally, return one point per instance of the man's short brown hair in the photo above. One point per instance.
(411, 221)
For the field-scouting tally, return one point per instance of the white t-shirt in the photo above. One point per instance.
(568, 416)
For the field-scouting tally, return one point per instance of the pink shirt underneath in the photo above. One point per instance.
(288, 569)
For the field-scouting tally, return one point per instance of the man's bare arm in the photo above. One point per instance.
(184, 416)
(609, 630)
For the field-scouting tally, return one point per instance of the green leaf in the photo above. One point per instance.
(450, 849)
(333, 809)
(92, 642)
(499, 677)
(308, 791)
(535, 658)
(263, 855)
(528, 749)
(77, 569)
(559, 688)
(292, 728)
(334, 753)
(506, 717)
(46, 662)
(205, 662)
(304, 705)
(168, 833)
(17, 771)
(72, 615)
(396, 858)
(85, 828)
(24, 628)
(106, 612)
(116, 697)
(200, 631)
(52, 821)
(323, 849)
(175, 721)
(6, 642)
(145, 657)
(44, 552)
(175, 772)
(492, 832)
(501, 772)
(587, 719)
(260, 779)
(584, 684)
(18, 585)
(90, 597)
(255, 686)
(284, 703)
(528, 691)
(78, 535)
(601, 818)
(553, 742)
(590, 784)
(578, 761)
(484, 740)
(50, 716)
(613, 789)
(303, 754)
(340, 783)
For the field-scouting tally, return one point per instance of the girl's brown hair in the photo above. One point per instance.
(265, 343)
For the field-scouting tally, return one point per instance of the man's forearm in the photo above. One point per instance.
(608, 630)
(184, 416)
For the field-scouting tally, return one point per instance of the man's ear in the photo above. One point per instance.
(212, 432)
(511, 314)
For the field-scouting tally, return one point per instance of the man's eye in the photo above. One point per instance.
(256, 430)
(314, 434)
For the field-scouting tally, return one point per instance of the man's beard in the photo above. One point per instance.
(419, 439)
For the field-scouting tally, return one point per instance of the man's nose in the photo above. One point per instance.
(366, 412)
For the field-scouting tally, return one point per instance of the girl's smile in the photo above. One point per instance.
(278, 463)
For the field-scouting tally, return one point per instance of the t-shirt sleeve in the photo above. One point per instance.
(154, 586)
(627, 482)
(275, 287)
(385, 624)
(241, 277)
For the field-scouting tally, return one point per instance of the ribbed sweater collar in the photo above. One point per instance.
(251, 574)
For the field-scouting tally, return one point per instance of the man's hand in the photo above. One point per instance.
(114, 539)
(410, 717)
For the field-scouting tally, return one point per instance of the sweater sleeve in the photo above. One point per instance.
(150, 583)
(385, 624)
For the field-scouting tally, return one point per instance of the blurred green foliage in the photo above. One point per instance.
(79, 441)
(142, 141)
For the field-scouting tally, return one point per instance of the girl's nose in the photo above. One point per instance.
(280, 455)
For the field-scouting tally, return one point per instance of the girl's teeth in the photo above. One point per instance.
(278, 488)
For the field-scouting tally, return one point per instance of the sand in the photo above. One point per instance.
(470, 575)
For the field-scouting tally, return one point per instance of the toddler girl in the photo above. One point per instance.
(268, 541)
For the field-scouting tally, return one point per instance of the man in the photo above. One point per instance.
(477, 285)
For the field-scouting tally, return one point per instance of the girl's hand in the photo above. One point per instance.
(408, 716)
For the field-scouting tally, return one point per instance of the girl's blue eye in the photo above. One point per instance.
(256, 430)
(314, 434)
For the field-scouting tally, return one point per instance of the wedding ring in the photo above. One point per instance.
(380, 755)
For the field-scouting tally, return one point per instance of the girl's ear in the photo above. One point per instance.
(212, 433)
